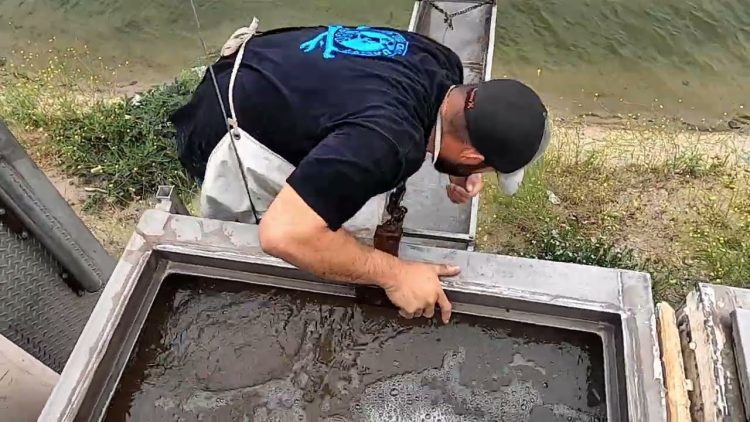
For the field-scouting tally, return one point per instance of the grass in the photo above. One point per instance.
(652, 196)
(122, 148)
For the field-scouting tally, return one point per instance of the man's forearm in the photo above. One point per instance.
(338, 256)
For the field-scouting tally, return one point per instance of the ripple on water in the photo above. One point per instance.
(229, 351)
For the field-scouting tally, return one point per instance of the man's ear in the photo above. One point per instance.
(470, 156)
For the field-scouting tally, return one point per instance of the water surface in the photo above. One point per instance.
(224, 351)
(673, 57)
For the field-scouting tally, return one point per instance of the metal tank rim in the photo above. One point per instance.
(613, 303)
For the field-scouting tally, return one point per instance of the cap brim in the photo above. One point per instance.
(510, 182)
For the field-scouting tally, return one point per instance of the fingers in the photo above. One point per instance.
(429, 311)
(420, 298)
(462, 190)
(457, 194)
(418, 313)
(447, 270)
(474, 184)
(445, 307)
(442, 301)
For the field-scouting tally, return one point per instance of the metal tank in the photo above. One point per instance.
(614, 305)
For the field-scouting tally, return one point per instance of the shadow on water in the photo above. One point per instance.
(228, 351)
(670, 57)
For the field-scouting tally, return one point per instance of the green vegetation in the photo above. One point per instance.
(653, 197)
(120, 147)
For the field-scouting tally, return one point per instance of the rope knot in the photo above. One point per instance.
(238, 37)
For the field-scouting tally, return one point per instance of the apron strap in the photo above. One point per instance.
(243, 34)
(233, 122)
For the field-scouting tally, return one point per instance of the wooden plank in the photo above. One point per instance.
(678, 404)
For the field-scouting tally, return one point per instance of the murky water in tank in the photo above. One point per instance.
(214, 350)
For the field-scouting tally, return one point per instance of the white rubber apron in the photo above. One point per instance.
(223, 196)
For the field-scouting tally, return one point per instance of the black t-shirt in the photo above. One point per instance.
(351, 107)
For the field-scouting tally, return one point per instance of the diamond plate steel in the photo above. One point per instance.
(38, 311)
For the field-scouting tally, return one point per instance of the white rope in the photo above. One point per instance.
(238, 38)
(237, 42)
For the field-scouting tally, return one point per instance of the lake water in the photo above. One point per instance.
(674, 57)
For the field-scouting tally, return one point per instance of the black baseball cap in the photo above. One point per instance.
(507, 124)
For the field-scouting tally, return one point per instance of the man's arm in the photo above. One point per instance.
(292, 231)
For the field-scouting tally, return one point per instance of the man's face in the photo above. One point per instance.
(456, 156)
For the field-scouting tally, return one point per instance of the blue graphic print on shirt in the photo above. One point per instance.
(360, 41)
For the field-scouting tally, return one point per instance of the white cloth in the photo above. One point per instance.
(223, 195)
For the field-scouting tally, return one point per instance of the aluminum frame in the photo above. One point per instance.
(448, 225)
(615, 304)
